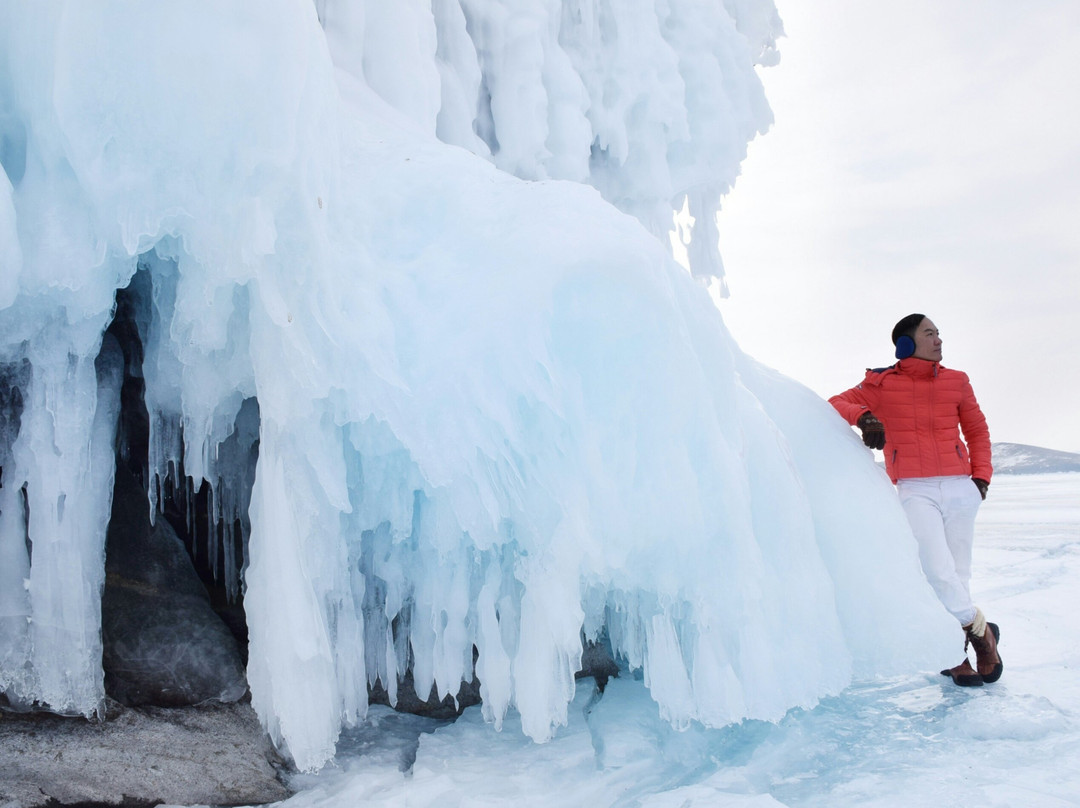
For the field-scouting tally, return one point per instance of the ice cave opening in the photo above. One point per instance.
(174, 553)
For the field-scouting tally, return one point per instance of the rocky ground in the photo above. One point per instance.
(215, 754)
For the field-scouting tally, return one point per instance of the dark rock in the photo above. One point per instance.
(433, 707)
(598, 662)
(217, 754)
(162, 642)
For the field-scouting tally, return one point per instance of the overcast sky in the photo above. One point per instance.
(925, 157)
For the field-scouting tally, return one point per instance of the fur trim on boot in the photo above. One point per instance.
(977, 627)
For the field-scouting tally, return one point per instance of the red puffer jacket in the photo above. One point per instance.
(921, 405)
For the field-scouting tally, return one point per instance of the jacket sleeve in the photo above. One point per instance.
(851, 404)
(976, 434)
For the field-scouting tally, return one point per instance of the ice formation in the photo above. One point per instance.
(411, 257)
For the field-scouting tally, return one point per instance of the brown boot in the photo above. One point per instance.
(987, 660)
(964, 675)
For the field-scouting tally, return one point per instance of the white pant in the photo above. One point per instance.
(942, 511)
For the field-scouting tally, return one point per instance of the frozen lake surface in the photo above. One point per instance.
(909, 741)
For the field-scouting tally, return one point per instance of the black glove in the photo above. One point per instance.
(982, 485)
(873, 431)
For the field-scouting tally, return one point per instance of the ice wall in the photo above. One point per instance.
(493, 414)
(650, 102)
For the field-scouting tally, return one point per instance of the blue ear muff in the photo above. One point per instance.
(905, 347)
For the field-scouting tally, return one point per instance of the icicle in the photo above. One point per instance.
(212, 525)
(230, 560)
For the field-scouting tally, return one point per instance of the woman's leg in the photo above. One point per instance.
(926, 509)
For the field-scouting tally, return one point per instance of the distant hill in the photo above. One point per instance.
(1018, 458)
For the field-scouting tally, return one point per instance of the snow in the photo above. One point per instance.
(1019, 458)
(886, 741)
(492, 411)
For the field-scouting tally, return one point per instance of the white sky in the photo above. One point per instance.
(925, 157)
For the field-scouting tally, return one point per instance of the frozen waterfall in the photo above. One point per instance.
(400, 278)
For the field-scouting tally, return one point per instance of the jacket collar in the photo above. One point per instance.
(921, 368)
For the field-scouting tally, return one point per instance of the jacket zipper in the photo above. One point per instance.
(930, 424)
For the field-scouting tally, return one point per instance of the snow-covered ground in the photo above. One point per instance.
(909, 741)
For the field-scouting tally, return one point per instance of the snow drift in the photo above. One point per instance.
(493, 416)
